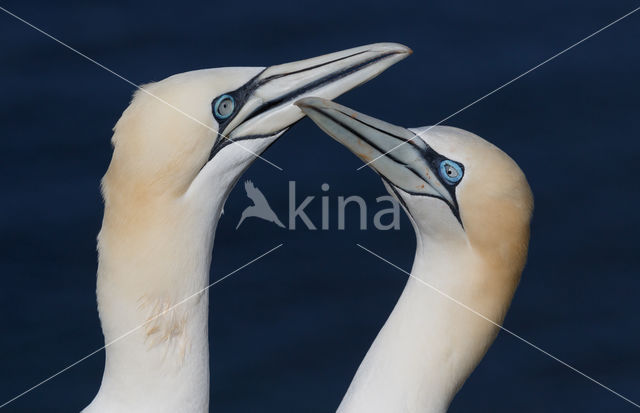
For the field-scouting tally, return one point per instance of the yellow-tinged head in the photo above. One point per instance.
(180, 130)
(455, 186)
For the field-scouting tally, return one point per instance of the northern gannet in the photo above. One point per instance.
(470, 206)
(164, 190)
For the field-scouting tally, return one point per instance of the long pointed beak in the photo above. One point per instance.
(265, 103)
(402, 159)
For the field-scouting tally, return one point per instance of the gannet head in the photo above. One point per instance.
(455, 186)
(202, 129)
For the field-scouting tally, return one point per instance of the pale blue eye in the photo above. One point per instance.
(450, 171)
(223, 108)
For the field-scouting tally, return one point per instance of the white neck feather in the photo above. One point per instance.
(148, 263)
(429, 345)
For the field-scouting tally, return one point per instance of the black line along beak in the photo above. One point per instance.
(413, 167)
(264, 106)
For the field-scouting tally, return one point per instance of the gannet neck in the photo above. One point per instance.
(430, 345)
(151, 257)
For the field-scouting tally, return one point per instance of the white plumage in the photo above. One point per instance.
(470, 206)
(172, 169)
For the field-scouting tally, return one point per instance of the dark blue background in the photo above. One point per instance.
(289, 331)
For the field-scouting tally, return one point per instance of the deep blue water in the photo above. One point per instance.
(288, 332)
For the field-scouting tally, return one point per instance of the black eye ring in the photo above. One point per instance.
(224, 106)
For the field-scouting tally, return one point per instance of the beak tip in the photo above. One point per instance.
(394, 48)
(308, 103)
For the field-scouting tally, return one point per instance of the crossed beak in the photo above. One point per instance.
(401, 158)
(264, 106)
